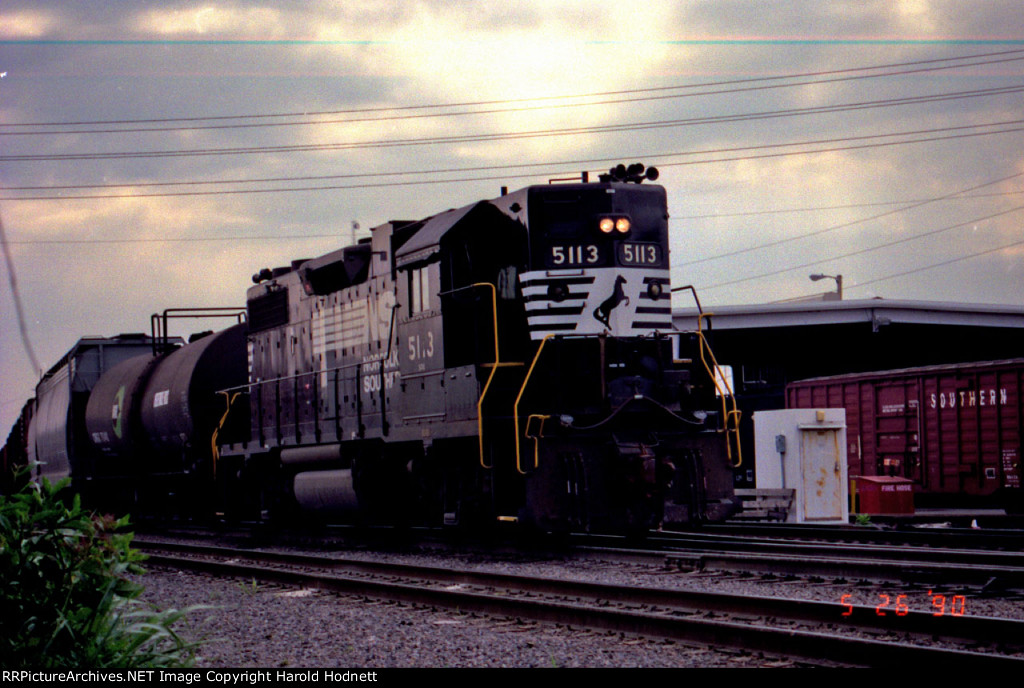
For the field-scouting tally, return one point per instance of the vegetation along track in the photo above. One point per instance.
(827, 632)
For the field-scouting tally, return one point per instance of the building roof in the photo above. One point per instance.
(877, 312)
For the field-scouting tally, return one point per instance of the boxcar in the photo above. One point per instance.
(955, 430)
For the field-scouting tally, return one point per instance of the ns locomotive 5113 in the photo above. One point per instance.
(513, 359)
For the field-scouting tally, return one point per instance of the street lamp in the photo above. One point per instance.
(838, 295)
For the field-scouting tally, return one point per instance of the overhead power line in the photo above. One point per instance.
(910, 203)
(841, 206)
(544, 102)
(552, 171)
(860, 221)
(510, 166)
(890, 244)
(951, 261)
(175, 240)
(510, 136)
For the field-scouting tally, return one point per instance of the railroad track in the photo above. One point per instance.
(982, 569)
(840, 633)
(1007, 539)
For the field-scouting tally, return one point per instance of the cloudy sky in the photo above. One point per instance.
(157, 154)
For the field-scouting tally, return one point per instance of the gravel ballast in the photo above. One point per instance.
(251, 625)
(248, 624)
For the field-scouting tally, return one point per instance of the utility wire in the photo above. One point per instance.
(506, 110)
(300, 237)
(862, 220)
(174, 240)
(551, 173)
(890, 244)
(912, 204)
(820, 208)
(512, 136)
(843, 148)
(481, 168)
(960, 62)
(951, 261)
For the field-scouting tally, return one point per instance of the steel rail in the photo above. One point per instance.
(944, 538)
(944, 555)
(819, 558)
(682, 615)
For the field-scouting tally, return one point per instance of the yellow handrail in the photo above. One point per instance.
(494, 369)
(215, 454)
(494, 366)
(515, 409)
(731, 419)
(535, 438)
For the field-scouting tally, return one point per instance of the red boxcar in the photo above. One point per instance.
(955, 430)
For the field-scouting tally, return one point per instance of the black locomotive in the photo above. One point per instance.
(511, 360)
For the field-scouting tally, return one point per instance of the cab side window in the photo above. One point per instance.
(419, 291)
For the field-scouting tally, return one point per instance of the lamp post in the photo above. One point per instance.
(838, 294)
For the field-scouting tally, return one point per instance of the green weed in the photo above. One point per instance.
(68, 598)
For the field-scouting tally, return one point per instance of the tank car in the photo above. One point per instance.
(954, 430)
(132, 420)
(154, 422)
(510, 360)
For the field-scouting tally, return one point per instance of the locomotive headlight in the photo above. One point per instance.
(608, 225)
